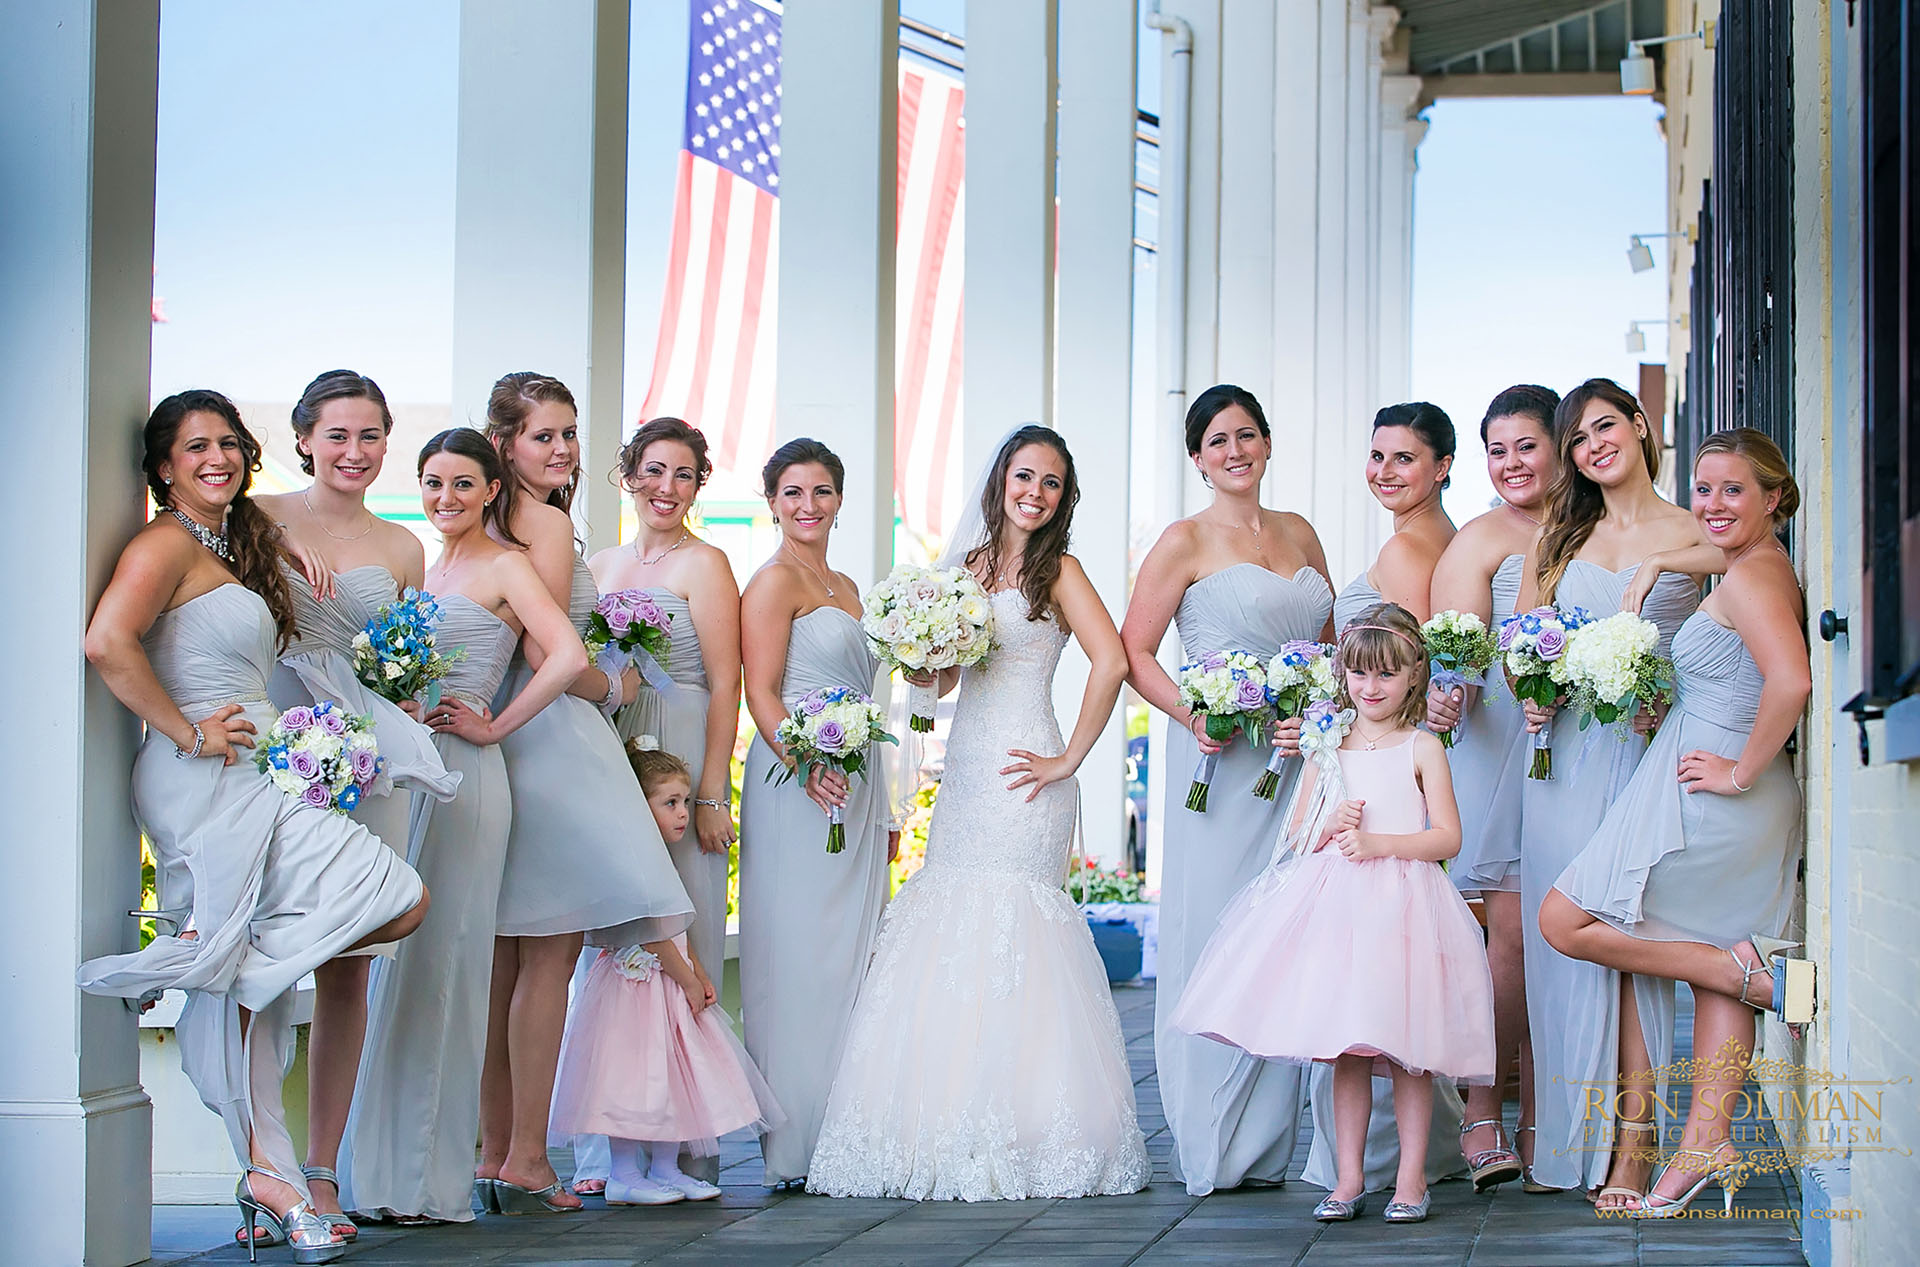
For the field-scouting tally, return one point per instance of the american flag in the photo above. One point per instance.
(714, 360)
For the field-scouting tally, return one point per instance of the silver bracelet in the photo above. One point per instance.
(612, 696)
(701, 800)
(198, 740)
(1734, 778)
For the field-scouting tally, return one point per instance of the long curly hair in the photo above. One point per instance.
(1574, 502)
(1047, 545)
(251, 535)
(508, 406)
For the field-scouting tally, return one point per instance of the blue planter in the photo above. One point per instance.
(1118, 942)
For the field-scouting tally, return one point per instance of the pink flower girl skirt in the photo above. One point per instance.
(638, 1064)
(1321, 957)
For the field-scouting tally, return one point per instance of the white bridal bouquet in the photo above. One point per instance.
(1461, 647)
(1534, 644)
(322, 756)
(928, 619)
(1228, 688)
(831, 727)
(1613, 666)
(1299, 676)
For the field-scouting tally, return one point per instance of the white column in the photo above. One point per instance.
(1400, 136)
(838, 172)
(1244, 342)
(1294, 479)
(76, 261)
(1097, 58)
(1012, 88)
(540, 210)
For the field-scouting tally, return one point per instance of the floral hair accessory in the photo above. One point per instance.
(647, 743)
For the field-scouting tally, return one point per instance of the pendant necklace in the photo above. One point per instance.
(1370, 742)
(214, 541)
(1523, 514)
(816, 572)
(315, 516)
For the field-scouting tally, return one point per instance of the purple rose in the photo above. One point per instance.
(813, 703)
(303, 763)
(366, 763)
(1300, 651)
(317, 795)
(332, 722)
(1550, 643)
(1507, 629)
(831, 737)
(1320, 714)
(1218, 660)
(619, 620)
(295, 720)
(1248, 695)
(650, 612)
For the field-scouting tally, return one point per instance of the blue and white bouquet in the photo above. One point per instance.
(395, 656)
(928, 619)
(1461, 648)
(1322, 729)
(831, 727)
(1534, 647)
(1299, 676)
(1613, 665)
(322, 756)
(1229, 689)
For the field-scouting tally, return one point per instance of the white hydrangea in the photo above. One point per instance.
(1604, 658)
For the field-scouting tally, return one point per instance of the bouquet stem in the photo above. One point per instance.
(1202, 779)
(1542, 764)
(836, 831)
(1447, 736)
(1268, 784)
(920, 706)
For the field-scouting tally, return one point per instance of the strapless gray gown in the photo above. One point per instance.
(277, 888)
(1667, 865)
(1383, 1138)
(1591, 770)
(317, 664)
(416, 1111)
(584, 854)
(1489, 764)
(1233, 1118)
(808, 918)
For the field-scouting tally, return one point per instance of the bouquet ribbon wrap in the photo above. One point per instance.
(1450, 680)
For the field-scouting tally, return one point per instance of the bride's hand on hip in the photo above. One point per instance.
(827, 788)
(1036, 771)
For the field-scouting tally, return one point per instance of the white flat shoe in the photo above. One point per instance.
(689, 1187)
(646, 1192)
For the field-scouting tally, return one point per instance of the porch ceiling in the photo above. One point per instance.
(1550, 46)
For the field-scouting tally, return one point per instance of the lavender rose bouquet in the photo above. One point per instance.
(831, 727)
(1534, 646)
(323, 757)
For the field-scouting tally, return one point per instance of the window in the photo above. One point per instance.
(1888, 628)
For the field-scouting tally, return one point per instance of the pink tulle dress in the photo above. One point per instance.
(637, 1063)
(1321, 956)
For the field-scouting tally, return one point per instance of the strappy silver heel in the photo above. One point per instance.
(1791, 980)
(1730, 1175)
(1491, 1167)
(305, 1233)
(511, 1198)
(339, 1222)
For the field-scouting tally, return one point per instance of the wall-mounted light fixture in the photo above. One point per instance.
(1636, 337)
(1640, 255)
(1636, 68)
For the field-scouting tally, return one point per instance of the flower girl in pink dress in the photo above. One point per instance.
(1352, 947)
(648, 1060)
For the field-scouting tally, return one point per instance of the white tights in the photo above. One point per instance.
(662, 1155)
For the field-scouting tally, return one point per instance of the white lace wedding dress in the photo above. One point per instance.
(984, 1060)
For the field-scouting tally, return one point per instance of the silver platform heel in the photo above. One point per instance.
(338, 1222)
(306, 1234)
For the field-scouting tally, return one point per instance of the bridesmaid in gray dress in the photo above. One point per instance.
(808, 918)
(258, 890)
(1480, 573)
(583, 854)
(1407, 470)
(340, 426)
(410, 1148)
(1691, 874)
(1236, 576)
(663, 468)
(1603, 517)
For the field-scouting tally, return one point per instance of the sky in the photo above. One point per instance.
(304, 213)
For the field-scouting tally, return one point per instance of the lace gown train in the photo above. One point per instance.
(984, 1060)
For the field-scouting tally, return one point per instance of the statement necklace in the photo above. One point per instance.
(214, 541)
(315, 516)
(644, 561)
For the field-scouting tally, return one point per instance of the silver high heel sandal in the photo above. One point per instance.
(1792, 980)
(338, 1222)
(1730, 1175)
(511, 1198)
(304, 1232)
(1491, 1167)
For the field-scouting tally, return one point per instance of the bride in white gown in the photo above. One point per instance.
(984, 1060)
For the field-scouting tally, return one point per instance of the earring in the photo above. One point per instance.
(836, 521)
(168, 480)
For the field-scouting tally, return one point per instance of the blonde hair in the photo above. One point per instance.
(654, 766)
(1769, 465)
(1384, 637)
